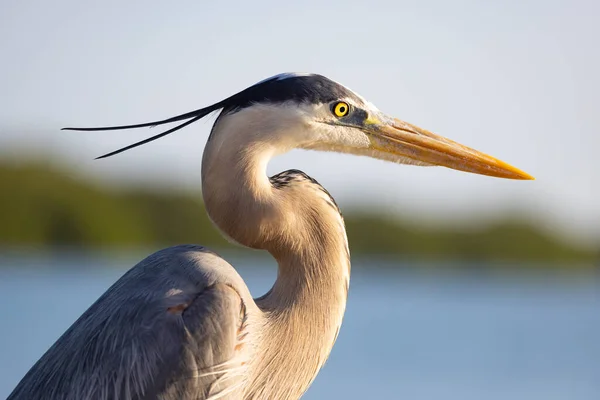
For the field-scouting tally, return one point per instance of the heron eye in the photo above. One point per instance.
(341, 109)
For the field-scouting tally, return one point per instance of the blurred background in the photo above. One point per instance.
(463, 287)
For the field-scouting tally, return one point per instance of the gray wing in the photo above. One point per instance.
(170, 328)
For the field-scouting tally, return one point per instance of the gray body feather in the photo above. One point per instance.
(165, 330)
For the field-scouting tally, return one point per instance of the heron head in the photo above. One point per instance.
(311, 111)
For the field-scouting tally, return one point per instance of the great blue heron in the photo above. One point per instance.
(182, 324)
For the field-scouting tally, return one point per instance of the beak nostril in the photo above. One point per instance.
(400, 128)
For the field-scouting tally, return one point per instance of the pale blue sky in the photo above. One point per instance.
(516, 79)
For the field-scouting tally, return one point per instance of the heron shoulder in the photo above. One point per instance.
(175, 326)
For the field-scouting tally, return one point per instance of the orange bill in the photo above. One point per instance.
(404, 139)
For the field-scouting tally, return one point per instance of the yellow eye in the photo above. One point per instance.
(341, 109)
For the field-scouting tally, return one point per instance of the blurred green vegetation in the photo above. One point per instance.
(44, 207)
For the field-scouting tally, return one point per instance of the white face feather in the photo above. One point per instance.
(290, 125)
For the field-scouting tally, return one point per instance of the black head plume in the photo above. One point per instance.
(191, 116)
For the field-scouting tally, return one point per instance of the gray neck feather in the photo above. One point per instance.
(302, 313)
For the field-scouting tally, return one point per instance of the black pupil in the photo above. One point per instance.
(342, 109)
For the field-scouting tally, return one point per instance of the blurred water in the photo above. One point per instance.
(406, 335)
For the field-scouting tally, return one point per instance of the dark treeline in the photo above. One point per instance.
(43, 208)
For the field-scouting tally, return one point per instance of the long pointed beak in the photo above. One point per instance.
(407, 140)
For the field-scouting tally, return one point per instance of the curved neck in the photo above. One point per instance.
(302, 231)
